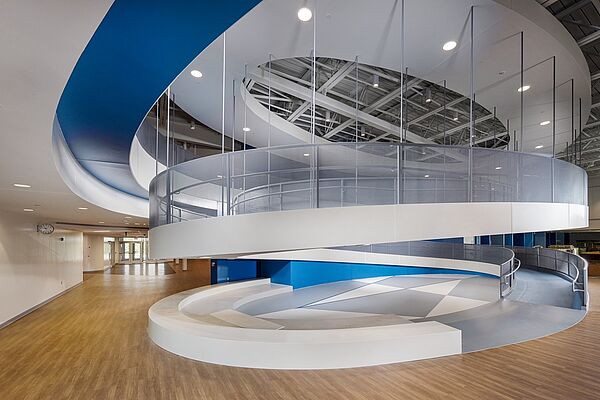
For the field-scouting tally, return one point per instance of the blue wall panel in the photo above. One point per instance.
(233, 270)
(460, 240)
(301, 274)
(528, 239)
(519, 239)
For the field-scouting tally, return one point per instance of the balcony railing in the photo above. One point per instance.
(354, 174)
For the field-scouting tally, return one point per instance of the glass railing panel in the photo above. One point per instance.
(567, 181)
(356, 174)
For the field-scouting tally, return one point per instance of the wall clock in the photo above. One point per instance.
(46, 229)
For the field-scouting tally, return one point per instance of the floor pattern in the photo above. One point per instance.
(411, 297)
(470, 303)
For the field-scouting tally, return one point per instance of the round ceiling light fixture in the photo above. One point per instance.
(195, 73)
(304, 14)
(524, 88)
(451, 45)
(246, 129)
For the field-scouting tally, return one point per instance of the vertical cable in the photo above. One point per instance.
(233, 116)
(245, 128)
(553, 106)
(580, 130)
(168, 121)
(157, 134)
(444, 119)
(402, 72)
(472, 83)
(269, 115)
(356, 99)
(314, 72)
(223, 102)
(573, 114)
(522, 93)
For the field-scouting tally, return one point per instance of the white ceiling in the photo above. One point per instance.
(40, 42)
(371, 31)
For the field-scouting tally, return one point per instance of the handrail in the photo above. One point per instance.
(576, 275)
(483, 253)
(511, 273)
(453, 174)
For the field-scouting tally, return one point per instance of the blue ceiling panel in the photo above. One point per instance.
(137, 51)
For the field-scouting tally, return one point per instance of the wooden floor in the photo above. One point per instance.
(92, 344)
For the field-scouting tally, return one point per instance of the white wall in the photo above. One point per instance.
(35, 267)
(93, 253)
(594, 202)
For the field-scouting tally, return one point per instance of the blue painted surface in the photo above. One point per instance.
(459, 240)
(519, 239)
(528, 240)
(233, 270)
(137, 51)
(508, 240)
(301, 274)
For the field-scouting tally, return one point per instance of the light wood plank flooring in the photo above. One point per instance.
(92, 344)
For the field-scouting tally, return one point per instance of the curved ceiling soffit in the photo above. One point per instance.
(137, 51)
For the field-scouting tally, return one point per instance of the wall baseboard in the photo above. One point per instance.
(37, 306)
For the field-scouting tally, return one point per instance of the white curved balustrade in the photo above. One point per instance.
(308, 196)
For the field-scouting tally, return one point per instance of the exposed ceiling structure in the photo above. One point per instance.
(430, 110)
(582, 19)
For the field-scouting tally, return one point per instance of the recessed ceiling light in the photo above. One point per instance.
(449, 45)
(539, 146)
(21, 185)
(28, 209)
(246, 129)
(455, 117)
(304, 14)
(498, 167)
(524, 88)
(82, 208)
(195, 73)
(306, 154)
(127, 217)
(427, 176)
(376, 81)
(543, 123)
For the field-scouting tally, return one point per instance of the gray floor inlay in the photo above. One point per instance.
(402, 302)
(409, 281)
(299, 297)
(538, 306)
(478, 288)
